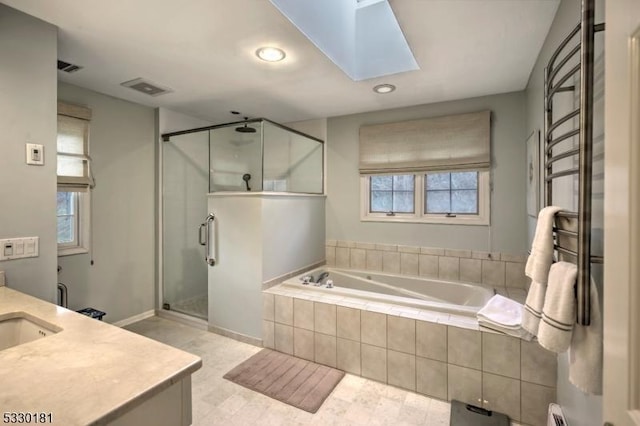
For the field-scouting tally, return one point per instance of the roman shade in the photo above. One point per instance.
(452, 142)
(74, 168)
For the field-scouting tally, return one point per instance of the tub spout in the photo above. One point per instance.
(323, 276)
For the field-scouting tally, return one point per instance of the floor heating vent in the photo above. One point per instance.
(556, 418)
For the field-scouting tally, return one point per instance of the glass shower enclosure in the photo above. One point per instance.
(252, 156)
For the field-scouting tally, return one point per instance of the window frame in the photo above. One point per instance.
(420, 216)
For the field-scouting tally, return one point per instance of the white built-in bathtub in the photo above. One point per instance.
(414, 292)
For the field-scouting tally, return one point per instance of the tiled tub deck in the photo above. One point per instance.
(440, 355)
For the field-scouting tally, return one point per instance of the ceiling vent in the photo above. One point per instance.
(145, 86)
(67, 67)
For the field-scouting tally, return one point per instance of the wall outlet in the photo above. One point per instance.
(35, 154)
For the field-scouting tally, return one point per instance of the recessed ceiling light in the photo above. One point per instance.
(270, 54)
(384, 88)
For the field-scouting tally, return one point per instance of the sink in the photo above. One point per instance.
(17, 328)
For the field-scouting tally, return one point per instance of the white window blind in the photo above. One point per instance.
(74, 168)
(452, 142)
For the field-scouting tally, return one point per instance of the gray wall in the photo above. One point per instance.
(580, 409)
(508, 225)
(28, 48)
(122, 138)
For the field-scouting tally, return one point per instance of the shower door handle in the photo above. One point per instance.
(202, 238)
(210, 243)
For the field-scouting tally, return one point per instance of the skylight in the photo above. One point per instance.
(362, 37)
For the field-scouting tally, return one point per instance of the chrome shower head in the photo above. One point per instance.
(245, 128)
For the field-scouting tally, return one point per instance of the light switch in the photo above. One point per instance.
(18, 248)
(35, 154)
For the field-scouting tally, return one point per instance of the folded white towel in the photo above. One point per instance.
(502, 310)
(541, 256)
(585, 353)
(504, 315)
(518, 332)
(559, 311)
(532, 311)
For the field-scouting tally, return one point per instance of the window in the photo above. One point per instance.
(392, 194)
(438, 197)
(67, 218)
(74, 179)
(451, 193)
(433, 170)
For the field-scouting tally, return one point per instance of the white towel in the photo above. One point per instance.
(533, 307)
(559, 311)
(541, 256)
(585, 353)
(502, 310)
(504, 315)
(518, 332)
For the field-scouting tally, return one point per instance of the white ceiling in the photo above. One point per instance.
(205, 51)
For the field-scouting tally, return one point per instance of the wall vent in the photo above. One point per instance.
(67, 67)
(556, 417)
(145, 86)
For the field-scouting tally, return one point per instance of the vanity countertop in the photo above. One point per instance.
(90, 373)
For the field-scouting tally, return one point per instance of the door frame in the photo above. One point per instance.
(621, 364)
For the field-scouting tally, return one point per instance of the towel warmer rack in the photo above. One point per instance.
(571, 241)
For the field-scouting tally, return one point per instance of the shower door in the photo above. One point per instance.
(185, 184)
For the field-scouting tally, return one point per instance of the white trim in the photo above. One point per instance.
(634, 238)
(127, 321)
(483, 218)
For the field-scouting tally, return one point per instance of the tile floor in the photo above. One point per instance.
(196, 306)
(355, 401)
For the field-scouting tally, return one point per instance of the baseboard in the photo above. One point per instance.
(125, 322)
(198, 323)
(236, 336)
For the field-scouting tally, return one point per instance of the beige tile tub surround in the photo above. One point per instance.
(325, 318)
(303, 344)
(303, 314)
(374, 362)
(431, 340)
(283, 310)
(435, 359)
(464, 348)
(401, 334)
(284, 338)
(479, 267)
(373, 328)
(501, 355)
(348, 323)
